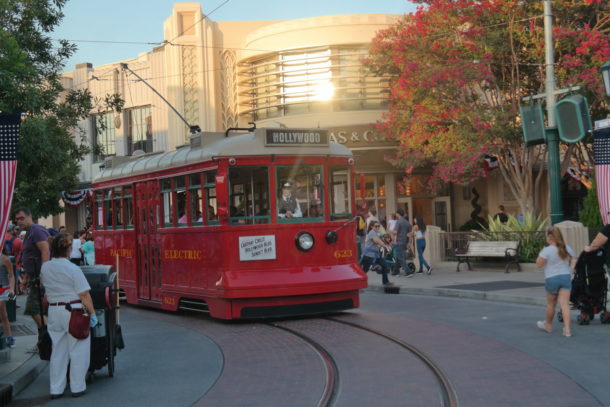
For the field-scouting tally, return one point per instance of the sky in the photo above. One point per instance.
(142, 21)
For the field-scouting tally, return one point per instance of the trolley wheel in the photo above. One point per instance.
(559, 316)
(604, 317)
(583, 318)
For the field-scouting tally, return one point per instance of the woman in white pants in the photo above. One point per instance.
(65, 283)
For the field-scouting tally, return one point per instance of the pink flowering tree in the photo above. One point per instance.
(459, 69)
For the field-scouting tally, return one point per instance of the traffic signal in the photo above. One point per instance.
(573, 118)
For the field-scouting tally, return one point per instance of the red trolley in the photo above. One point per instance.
(244, 226)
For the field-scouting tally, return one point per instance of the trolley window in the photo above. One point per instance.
(128, 206)
(249, 195)
(210, 196)
(117, 211)
(340, 202)
(300, 193)
(166, 203)
(194, 197)
(99, 207)
(180, 200)
(108, 209)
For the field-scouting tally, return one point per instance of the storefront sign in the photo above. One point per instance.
(359, 136)
(296, 137)
(256, 248)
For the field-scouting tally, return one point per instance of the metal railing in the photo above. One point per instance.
(530, 242)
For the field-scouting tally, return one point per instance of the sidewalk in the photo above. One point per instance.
(485, 282)
(17, 367)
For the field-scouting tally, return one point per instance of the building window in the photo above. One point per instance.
(372, 189)
(306, 80)
(139, 130)
(104, 137)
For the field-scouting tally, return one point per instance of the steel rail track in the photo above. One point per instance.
(331, 387)
(449, 396)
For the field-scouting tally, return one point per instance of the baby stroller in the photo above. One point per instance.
(392, 261)
(589, 287)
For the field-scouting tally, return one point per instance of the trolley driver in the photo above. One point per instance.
(288, 206)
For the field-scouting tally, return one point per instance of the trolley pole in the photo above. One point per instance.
(552, 133)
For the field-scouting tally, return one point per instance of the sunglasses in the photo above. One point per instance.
(377, 226)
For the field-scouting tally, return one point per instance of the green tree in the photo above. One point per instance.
(30, 83)
(458, 71)
(590, 216)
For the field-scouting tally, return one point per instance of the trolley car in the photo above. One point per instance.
(250, 225)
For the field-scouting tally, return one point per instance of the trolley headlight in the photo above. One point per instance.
(304, 241)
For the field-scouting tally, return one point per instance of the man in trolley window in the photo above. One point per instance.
(288, 206)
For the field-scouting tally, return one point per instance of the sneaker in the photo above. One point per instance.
(10, 342)
(566, 333)
(33, 349)
(542, 325)
(419, 272)
(429, 271)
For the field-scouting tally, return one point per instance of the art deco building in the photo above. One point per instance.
(294, 73)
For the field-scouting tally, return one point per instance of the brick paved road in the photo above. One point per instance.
(492, 354)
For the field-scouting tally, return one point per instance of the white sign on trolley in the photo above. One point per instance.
(256, 248)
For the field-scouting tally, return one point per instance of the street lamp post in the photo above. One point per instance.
(552, 132)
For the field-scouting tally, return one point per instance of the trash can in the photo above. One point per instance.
(11, 310)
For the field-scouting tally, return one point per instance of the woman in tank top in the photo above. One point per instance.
(419, 232)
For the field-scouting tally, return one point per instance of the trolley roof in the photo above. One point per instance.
(206, 146)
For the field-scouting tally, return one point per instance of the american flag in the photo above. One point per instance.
(601, 151)
(9, 139)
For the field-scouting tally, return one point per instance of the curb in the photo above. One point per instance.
(474, 295)
(25, 374)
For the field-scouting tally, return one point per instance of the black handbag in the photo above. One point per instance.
(45, 345)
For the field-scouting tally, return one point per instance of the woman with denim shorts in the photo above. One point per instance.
(556, 259)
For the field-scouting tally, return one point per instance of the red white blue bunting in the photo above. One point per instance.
(75, 198)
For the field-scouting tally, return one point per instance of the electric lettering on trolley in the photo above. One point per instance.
(121, 252)
(183, 254)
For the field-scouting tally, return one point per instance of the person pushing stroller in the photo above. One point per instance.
(371, 253)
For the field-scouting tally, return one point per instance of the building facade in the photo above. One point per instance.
(295, 73)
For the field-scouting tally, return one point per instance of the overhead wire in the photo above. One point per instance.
(165, 42)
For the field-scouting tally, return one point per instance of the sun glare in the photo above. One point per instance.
(324, 91)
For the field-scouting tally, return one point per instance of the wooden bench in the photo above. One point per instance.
(508, 250)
